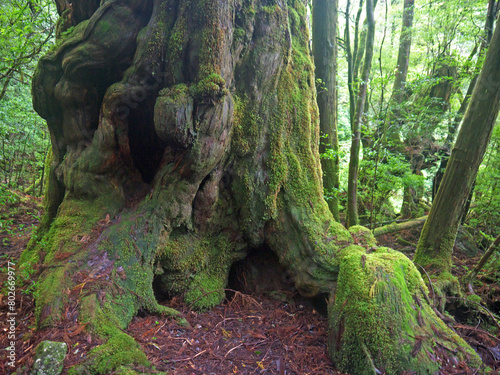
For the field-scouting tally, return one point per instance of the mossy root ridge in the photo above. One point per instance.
(380, 317)
(92, 277)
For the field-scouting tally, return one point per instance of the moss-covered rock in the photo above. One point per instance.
(49, 358)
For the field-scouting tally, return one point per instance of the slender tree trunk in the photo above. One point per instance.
(5, 85)
(359, 47)
(185, 135)
(360, 42)
(401, 73)
(352, 206)
(495, 245)
(350, 64)
(391, 131)
(438, 236)
(398, 95)
(453, 127)
(325, 59)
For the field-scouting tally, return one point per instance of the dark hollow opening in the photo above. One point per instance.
(260, 273)
(145, 145)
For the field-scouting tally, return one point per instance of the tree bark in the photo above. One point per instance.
(398, 92)
(325, 60)
(350, 64)
(454, 125)
(185, 135)
(401, 73)
(352, 205)
(435, 246)
(359, 47)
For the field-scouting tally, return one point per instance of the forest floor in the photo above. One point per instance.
(271, 333)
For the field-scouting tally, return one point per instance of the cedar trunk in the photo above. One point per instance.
(325, 59)
(435, 247)
(185, 135)
(352, 187)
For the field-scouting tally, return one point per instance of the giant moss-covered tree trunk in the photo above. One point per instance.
(185, 135)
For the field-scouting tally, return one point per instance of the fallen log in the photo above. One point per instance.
(396, 227)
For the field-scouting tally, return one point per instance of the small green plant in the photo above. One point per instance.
(27, 274)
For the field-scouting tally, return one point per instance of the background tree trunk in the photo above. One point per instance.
(403, 53)
(398, 93)
(352, 196)
(185, 135)
(454, 125)
(436, 242)
(325, 60)
(486, 256)
(391, 131)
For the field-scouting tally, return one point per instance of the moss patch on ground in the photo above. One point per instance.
(119, 349)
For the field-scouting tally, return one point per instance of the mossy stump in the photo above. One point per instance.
(381, 321)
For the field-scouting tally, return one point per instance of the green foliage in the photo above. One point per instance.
(26, 31)
(10, 207)
(8, 197)
(483, 219)
(383, 174)
(492, 268)
(23, 140)
(399, 138)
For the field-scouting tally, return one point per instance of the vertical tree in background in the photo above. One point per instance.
(354, 55)
(398, 90)
(325, 59)
(453, 126)
(352, 207)
(489, 26)
(401, 72)
(438, 236)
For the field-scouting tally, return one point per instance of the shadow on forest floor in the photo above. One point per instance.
(270, 333)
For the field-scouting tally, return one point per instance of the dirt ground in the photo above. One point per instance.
(262, 333)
